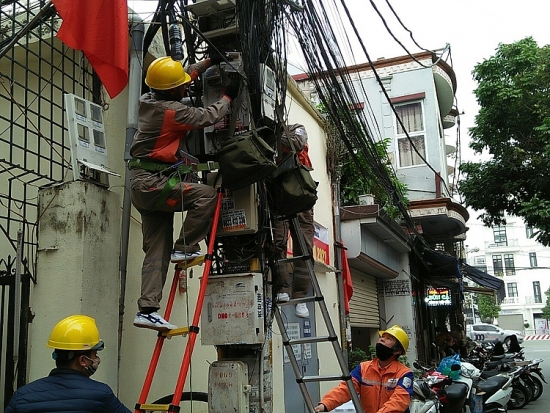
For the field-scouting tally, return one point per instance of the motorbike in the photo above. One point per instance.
(436, 392)
(494, 391)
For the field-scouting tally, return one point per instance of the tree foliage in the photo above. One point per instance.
(513, 125)
(487, 306)
(546, 308)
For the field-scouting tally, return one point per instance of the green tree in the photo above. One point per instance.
(546, 308)
(513, 125)
(487, 307)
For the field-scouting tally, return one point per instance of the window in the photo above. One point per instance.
(411, 151)
(497, 265)
(536, 292)
(533, 259)
(512, 289)
(528, 231)
(499, 234)
(509, 264)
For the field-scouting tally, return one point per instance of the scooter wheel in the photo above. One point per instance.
(538, 387)
(519, 398)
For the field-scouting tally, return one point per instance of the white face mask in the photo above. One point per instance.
(92, 368)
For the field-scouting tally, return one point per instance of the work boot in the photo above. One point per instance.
(154, 321)
(301, 310)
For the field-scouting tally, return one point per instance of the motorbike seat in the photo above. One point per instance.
(456, 392)
(491, 385)
(489, 373)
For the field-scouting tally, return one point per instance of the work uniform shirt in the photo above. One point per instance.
(162, 127)
(381, 390)
(65, 390)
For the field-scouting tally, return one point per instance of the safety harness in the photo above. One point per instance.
(176, 172)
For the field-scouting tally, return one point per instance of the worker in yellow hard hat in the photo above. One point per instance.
(159, 187)
(76, 342)
(384, 383)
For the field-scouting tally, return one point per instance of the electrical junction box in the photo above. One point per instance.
(233, 310)
(268, 95)
(239, 214)
(87, 135)
(228, 388)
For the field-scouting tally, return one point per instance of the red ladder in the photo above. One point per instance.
(192, 330)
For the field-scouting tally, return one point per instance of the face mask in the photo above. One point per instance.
(92, 368)
(383, 352)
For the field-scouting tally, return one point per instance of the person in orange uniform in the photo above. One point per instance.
(384, 384)
(158, 189)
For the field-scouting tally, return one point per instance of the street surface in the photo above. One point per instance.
(539, 349)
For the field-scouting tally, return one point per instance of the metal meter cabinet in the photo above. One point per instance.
(233, 310)
(228, 388)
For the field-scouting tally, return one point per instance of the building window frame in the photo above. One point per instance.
(529, 231)
(533, 259)
(498, 265)
(509, 266)
(537, 292)
(512, 289)
(499, 236)
(415, 125)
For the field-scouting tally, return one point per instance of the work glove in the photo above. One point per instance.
(232, 90)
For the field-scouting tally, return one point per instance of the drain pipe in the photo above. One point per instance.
(137, 30)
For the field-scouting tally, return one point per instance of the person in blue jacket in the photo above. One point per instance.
(68, 387)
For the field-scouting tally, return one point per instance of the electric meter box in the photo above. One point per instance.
(239, 214)
(87, 135)
(228, 388)
(233, 310)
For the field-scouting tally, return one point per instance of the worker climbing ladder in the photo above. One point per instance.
(301, 380)
(192, 330)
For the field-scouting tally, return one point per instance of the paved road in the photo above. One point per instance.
(539, 349)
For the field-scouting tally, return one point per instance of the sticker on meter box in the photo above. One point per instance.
(234, 220)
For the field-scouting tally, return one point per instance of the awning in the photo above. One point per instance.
(485, 280)
(442, 264)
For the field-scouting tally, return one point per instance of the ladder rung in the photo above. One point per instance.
(181, 331)
(294, 259)
(304, 340)
(153, 407)
(182, 265)
(313, 379)
(309, 299)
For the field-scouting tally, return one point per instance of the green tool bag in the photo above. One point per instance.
(291, 187)
(245, 159)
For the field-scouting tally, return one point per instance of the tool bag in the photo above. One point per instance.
(245, 159)
(292, 187)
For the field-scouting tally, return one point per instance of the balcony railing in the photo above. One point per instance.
(521, 300)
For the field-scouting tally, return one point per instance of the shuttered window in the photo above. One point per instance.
(363, 306)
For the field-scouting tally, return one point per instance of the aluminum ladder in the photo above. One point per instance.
(301, 380)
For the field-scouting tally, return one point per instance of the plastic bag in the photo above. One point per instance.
(445, 366)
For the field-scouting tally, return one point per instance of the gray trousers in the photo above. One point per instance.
(158, 226)
(297, 285)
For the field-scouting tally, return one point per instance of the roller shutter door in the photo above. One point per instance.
(363, 306)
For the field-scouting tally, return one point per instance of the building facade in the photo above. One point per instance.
(511, 253)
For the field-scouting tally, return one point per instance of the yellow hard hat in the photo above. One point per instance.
(399, 334)
(164, 73)
(76, 332)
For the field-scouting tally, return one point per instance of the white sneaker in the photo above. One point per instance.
(283, 298)
(301, 310)
(178, 256)
(154, 321)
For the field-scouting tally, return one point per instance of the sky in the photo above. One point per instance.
(473, 28)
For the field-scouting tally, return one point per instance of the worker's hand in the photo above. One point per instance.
(216, 58)
(320, 408)
(231, 90)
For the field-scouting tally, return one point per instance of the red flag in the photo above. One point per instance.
(100, 29)
(346, 278)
